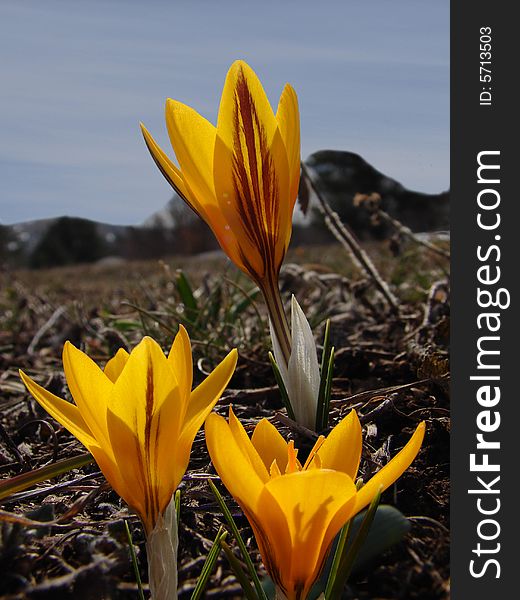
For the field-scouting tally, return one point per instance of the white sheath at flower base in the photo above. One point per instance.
(301, 376)
(161, 549)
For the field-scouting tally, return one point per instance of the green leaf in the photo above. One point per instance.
(327, 366)
(388, 528)
(178, 505)
(338, 554)
(239, 573)
(214, 304)
(126, 325)
(26, 480)
(240, 307)
(134, 561)
(350, 552)
(236, 534)
(186, 295)
(209, 564)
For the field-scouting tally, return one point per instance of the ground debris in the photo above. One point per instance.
(393, 368)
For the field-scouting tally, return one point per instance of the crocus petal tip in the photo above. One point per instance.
(183, 333)
(211, 420)
(233, 358)
(238, 64)
(170, 105)
(68, 350)
(25, 378)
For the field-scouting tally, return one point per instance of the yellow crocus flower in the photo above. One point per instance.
(138, 417)
(241, 176)
(296, 510)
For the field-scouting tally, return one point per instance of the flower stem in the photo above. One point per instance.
(277, 315)
(161, 549)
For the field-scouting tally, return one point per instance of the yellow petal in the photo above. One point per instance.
(316, 504)
(146, 382)
(283, 193)
(233, 466)
(144, 425)
(274, 471)
(252, 173)
(90, 388)
(288, 118)
(117, 479)
(116, 364)
(246, 447)
(243, 92)
(341, 451)
(206, 395)
(181, 361)
(64, 412)
(201, 402)
(171, 173)
(193, 140)
(270, 445)
(139, 484)
(391, 471)
(241, 177)
(273, 537)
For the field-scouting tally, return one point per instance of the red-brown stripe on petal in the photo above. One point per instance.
(255, 181)
(148, 456)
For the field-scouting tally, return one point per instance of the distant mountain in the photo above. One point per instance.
(69, 240)
(26, 236)
(341, 177)
(344, 178)
(175, 213)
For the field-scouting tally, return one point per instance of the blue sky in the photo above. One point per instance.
(77, 76)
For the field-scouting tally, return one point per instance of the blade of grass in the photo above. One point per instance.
(236, 534)
(249, 299)
(209, 564)
(186, 295)
(347, 562)
(134, 561)
(328, 389)
(321, 415)
(178, 505)
(150, 315)
(388, 528)
(336, 561)
(249, 592)
(26, 480)
(326, 346)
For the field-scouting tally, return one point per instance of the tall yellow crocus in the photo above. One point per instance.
(241, 177)
(138, 417)
(296, 510)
